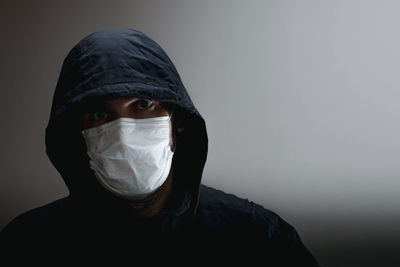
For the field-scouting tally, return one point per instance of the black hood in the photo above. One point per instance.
(114, 63)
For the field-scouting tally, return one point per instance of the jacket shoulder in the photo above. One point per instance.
(226, 221)
(218, 209)
(37, 219)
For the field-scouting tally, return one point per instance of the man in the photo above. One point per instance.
(131, 147)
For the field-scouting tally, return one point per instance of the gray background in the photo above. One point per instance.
(301, 100)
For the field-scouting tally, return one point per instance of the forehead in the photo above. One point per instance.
(112, 102)
(118, 101)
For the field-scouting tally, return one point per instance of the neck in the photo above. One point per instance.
(156, 202)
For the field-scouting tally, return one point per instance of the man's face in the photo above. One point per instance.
(127, 107)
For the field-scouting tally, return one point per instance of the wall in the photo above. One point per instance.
(300, 99)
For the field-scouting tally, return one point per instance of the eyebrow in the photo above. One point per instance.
(93, 105)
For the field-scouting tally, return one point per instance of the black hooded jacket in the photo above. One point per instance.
(125, 62)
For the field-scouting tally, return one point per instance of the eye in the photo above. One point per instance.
(144, 103)
(100, 115)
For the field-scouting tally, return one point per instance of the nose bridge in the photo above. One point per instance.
(121, 112)
(119, 109)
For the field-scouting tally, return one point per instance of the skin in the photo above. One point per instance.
(132, 107)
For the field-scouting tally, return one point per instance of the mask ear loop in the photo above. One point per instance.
(173, 133)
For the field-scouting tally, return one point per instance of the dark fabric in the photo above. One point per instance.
(125, 62)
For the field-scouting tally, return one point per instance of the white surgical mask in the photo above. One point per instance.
(130, 157)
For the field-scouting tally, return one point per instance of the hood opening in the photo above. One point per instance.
(110, 64)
